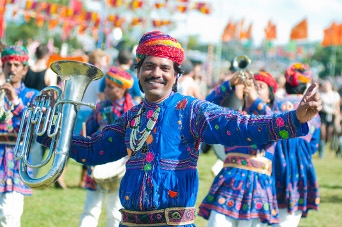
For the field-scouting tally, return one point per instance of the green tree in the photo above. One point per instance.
(326, 56)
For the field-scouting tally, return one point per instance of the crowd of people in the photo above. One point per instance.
(152, 121)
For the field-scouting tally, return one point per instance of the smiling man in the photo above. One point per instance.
(161, 137)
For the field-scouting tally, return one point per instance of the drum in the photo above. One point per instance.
(108, 176)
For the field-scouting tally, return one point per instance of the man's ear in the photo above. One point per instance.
(25, 69)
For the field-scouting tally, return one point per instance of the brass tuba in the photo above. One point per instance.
(57, 122)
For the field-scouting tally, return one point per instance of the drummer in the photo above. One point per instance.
(117, 101)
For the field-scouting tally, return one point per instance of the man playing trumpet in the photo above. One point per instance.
(15, 98)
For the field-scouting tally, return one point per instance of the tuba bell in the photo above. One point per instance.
(56, 122)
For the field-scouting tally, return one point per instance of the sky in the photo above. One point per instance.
(284, 13)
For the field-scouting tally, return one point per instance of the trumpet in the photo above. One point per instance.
(241, 63)
(56, 121)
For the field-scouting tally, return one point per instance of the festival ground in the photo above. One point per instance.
(52, 207)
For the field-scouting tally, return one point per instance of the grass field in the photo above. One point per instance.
(52, 207)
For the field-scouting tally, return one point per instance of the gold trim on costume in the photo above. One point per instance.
(249, 162)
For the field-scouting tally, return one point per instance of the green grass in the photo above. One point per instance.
(52, 207)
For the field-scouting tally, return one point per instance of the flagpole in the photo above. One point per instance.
(102, 21)
(333, 60)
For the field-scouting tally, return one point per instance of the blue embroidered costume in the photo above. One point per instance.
(106, 112)
(162, 173)
(9, 167)
(244, 188)
(294, 173)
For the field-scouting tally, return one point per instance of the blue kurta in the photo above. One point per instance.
(105, 112)
(163, 173)
(243, 193)
(9, 167)
(294, 172)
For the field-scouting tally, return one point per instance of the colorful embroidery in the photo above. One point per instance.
(182, 104)
(284, 134)
(280, 122)
(173, 194)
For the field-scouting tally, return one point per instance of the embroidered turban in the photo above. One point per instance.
(15, 53)
(158, 44)
(267, 78)
(298, 73)
(119, 77)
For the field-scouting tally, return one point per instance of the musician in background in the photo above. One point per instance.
(118, 100)
(293, 170)
(15, 97)
(243, 193)
(125, 61)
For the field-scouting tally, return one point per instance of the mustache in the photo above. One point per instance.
(156, 80)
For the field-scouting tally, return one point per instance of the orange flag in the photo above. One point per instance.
(245, 34)
(136, 4)
(300, 31)
(331, 35)
(52, 23)
(2, 18)
(249, 31)
(229, 32)
(270, 31)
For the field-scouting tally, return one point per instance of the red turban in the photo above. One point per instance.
(267, 78)
(158, 44)
(298, 73)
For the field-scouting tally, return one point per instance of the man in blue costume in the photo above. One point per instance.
(161, 137)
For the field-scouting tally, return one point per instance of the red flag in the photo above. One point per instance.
(76, 6)
(300, 31)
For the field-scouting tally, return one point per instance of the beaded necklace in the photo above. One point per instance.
(137, 138)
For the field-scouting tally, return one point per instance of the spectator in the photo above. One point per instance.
(186, 83)
(125, 61)
(330, 113)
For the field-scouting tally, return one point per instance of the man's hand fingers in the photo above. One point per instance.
(311, 89)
